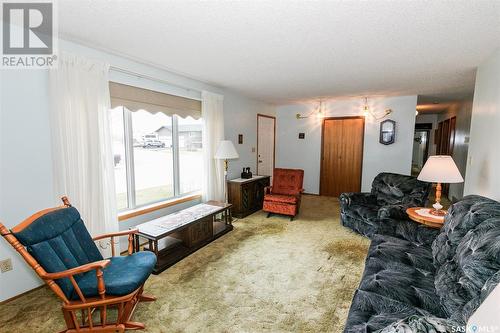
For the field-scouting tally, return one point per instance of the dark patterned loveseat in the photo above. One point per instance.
(384, 209)
(412, 287)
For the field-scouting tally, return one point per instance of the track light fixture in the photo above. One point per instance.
(319, 112)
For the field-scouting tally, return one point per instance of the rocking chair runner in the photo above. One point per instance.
(56, 244)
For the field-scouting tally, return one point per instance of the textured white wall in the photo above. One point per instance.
(482, 176)
(25, 164)
(25, 151)
(306, 154)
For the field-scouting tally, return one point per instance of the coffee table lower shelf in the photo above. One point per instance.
(178, 250)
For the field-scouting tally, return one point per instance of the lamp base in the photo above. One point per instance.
(437, 212)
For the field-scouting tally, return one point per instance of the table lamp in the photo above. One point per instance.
(440, 169)
(226, 151)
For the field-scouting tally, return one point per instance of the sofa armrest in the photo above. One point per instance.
(393, 211)
(347, 199)
(422, 324)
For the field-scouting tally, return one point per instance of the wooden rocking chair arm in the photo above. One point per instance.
(97, 265)
(117, 234)
(130, 233)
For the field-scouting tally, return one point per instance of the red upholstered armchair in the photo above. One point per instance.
(284, 196)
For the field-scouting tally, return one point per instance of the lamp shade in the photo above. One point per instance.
(226, 151)
(440, 169)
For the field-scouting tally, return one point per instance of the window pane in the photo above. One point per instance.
(118, 137)
(153, 159)
(190, 154)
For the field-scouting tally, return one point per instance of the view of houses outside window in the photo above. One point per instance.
(190, 154)
(150, 175)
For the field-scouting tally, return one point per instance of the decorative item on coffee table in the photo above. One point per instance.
(440, 169)
(424, 216)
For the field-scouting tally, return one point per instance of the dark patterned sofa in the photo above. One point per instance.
(384, 209)
(408, 286)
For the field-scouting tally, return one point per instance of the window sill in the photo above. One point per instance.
(157, 206)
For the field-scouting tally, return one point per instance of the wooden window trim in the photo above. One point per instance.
(154, 207)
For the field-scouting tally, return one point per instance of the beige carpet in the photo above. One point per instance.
(267, 275)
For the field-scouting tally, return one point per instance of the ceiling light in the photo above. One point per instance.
(416, 112)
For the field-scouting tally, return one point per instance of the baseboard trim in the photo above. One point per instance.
(22, 294)
(306, 193)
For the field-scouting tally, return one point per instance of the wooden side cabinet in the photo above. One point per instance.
(246, 195)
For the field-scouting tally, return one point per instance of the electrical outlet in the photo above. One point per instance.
(5, 265)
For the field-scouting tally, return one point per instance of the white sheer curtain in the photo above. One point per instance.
(213, 133)
(81, 140)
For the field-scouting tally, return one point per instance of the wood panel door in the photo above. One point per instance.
(341, 155)
(445, 142)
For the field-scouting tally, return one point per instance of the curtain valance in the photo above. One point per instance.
(134, 98)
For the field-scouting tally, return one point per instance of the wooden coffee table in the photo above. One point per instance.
(175, 236)
(422, 215)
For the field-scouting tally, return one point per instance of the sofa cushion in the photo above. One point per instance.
(122, 276)
(280, 208)
(370, 312)
(290, 199)
(396, 189)
(411, 231)
(388, 248)
(403, 283)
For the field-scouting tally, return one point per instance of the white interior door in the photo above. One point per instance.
(265, 144)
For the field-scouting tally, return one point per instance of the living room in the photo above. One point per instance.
(258, 166)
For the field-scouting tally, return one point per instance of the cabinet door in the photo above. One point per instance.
(247, 200)
(200, 232)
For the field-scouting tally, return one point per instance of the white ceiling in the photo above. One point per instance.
(284, 51)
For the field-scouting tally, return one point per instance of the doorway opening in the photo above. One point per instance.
(421, 143)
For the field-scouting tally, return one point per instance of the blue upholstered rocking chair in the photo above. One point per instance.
(56, 244)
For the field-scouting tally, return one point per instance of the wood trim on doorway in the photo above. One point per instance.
(321, 147)
(274, 146)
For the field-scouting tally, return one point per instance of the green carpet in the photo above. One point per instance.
(267, 275)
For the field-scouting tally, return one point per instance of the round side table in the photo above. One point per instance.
(422, 215)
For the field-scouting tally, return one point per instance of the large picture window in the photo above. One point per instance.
(156, 156)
